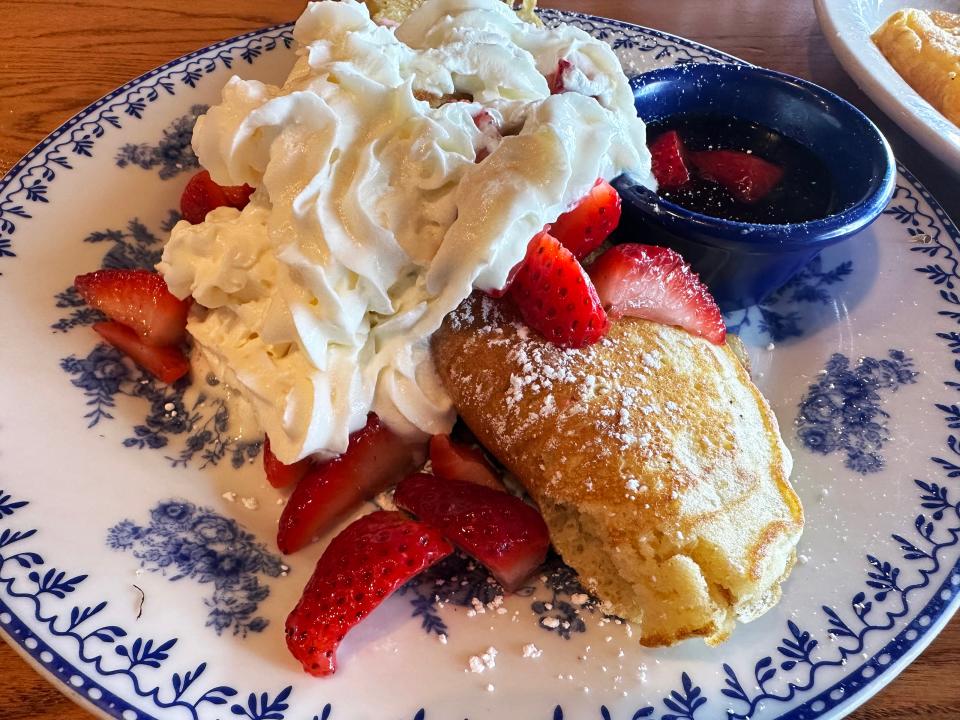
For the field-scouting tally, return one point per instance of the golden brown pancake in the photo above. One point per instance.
(657, 464)
(924, 47)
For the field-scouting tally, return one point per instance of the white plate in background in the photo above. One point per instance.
(847, 25)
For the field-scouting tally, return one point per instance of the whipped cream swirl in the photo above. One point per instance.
(397, 170)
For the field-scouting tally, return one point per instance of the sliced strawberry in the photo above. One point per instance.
(501, 531)
(555, 296)
(511, 276)
(455, 461)
(745, 176)
(584, 228)
(167, 364)
(362, 566)
(668, 165)
(140, 300)
(655, 283)
(237, 195)
(490, 135)
(375, 459)
(278, 474)
(202, 194)
(556, 82)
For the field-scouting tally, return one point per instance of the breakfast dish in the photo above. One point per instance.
(924, 47)
(318, 311)
(849, 27)
(86, 593)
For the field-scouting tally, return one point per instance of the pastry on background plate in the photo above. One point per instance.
(656, 462)
(924, 47)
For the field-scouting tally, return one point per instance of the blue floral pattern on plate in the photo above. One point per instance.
(77, 138)
(782, 315)
(460, 581)
(104, 373)
(134, 247)
(184, 541)
(173, 153)
(135, 657)
(841, 411)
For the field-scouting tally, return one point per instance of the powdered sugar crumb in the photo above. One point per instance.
(531, 651)
(485, 661)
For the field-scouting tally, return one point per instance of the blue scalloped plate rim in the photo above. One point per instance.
(839, 698)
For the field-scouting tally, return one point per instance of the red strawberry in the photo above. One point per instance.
(655, 283)
(668, 165)
(556, 82)
(584, 228)
(202, 194)
(375, 459)
(278, 474)
(489, 132)
(745, 176)
(237, 195)
(505, 534)
(139, 299)
(362, 566)
(456, 461)
(167, 364)
(555, 296)
(511, 276)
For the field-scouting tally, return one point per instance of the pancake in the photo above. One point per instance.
(924, 47)
(657, 464)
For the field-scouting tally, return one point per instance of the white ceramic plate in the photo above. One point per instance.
(113, 484)
(847, 25)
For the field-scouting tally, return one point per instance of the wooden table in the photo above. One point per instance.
(57, 57)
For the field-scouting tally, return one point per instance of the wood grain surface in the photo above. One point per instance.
(56, 58)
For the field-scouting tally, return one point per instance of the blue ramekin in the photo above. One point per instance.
(743, 262)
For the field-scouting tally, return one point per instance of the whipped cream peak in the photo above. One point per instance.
(397, 170)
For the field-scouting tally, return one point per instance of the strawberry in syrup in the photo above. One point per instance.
(362, 566)
(745, 176)
(667, 163)
(734, 169)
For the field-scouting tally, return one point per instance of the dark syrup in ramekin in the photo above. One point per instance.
(804, 193)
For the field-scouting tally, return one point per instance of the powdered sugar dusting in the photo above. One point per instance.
(633, 400)
(550, 382)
